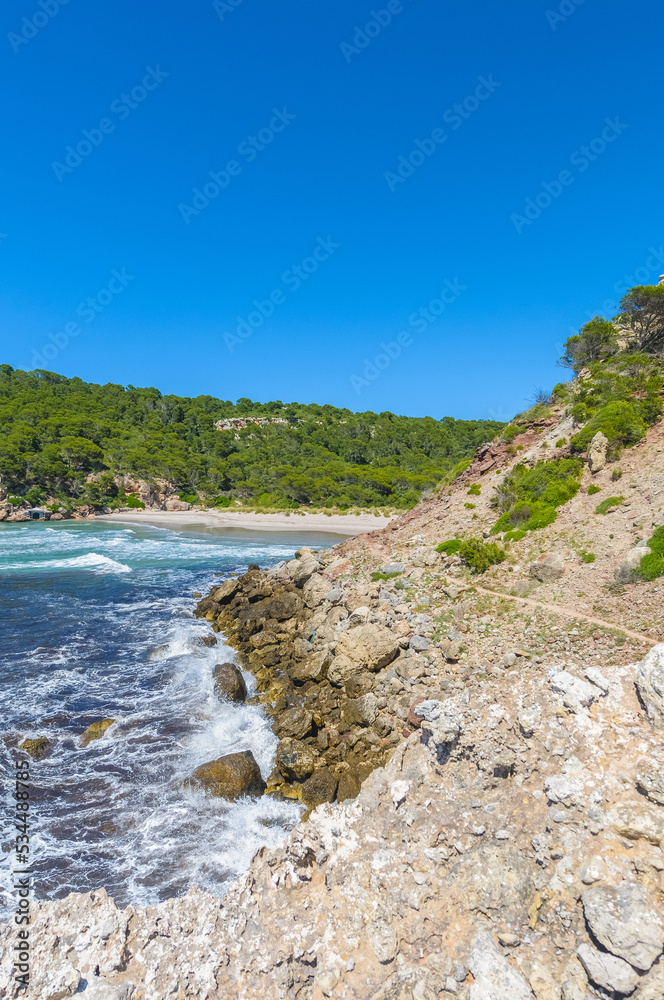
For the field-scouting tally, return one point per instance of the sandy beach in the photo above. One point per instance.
(338, 524)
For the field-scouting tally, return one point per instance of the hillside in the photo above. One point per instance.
(76, 443)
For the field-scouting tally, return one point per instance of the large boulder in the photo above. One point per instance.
(361, 711)
(177, 505)
(638, 821)
(316, 590)
(320, 787)
(495, 978)
(651, 784)
(548, 568)
(626, 921)
(300, 570)
(295, 759)
(313, 668)
(229, 683)
(229, 777)
(95, 731)
(37, 748)
(369, 647)
(607, 971)
(650, 685)
(597, 452)
(225, 593)
(294, 722)
(625, 572)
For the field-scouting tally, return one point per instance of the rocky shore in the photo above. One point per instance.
(303, 635)
(480, 758)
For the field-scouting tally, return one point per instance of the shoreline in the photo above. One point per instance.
(337, 524)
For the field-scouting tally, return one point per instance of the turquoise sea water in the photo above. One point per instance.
(82, 605)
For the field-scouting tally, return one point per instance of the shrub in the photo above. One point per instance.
(529, 497)
(594, 489)
(561, 442)
(603, 507)
(474, 490)
(189, 498)
(588, 557)
(133, 501)
(514, 536)
(450, 547)
(383, 576)
(652, 566)
(526, 515)
(618, 421)
(616, 475)
(469, 506)
(481, 555)
(475, 553)
(510, 432)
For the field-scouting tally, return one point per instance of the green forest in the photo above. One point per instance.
(69, 440)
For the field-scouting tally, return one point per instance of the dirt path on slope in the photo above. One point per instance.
(567, 612)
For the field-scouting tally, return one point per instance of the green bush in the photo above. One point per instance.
(594, 489)
(526, 515)
(561, 442)
(475, 553)
(469, 506)
(587, 557)
(189, 498)
(133, 501)
(450, 547)
(619, 421)
(383, 576)
(511, 431)
(514, 536)
(616, 475)
(474, 490)
(603, 507)
(481, 555)
(652, 566)
(529, 497)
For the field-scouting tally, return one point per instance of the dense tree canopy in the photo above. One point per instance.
(57, 433)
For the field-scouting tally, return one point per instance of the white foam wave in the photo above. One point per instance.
(92, 560)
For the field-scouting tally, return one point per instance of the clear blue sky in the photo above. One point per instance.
(351, 109)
